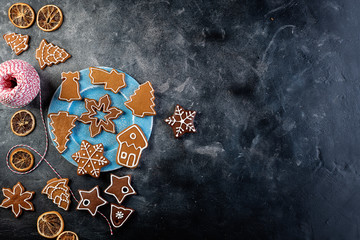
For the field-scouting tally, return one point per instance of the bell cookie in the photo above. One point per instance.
(62, 124)
(70, 89)
(90, 159)
(132, 142)
(119, 215)
(113, 80)
(58, 191)
(48, 54)
(120, 187)
(141, 103)
(97, 125)
(90, 200)
(17, 198)
(182, 121)
(18, 42)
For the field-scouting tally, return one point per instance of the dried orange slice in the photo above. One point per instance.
(21, 15)
(68, 235)
(50, 224)
(21, 159)
(49, 18)
(22, 123)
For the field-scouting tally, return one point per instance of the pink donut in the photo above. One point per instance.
(19, 83)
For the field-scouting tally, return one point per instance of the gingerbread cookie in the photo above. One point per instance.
(113, 80)
(120, 187)
(90, 200)
(70, 89)
(141, 103)
(132, 142)
(62, 124)
(119, 215)
(48, 54)
(18, 42)
(17, 198)
(182, 121)
(90, 159)
(58, 191)
(96, 124)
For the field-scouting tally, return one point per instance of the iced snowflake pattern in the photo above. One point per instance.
(90, 159)
(119, 215)
(182, 121)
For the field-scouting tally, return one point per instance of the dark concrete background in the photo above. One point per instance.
(276, 87)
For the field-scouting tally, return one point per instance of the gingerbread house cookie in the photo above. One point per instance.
(132, 142)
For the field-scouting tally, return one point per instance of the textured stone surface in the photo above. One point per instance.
(276, 87)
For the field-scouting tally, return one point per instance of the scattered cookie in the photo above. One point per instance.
(62, 123)
(17, 198)
(50, 224)
(21, 159)
(96, 124)
(132, 142)
(58, 191)
(70, 89)
(90, 200)
(119, 215)
(90, 159)
(141, 103)
(113, 80)
(182, 121)
(120, 187)
(22, 123)
(49, 18)
(21, 15)
(48, 54)
(18, 42)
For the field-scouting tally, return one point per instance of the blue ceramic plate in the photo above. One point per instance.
(81, 131)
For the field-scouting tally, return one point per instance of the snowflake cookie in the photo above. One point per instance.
(17, 198)
(182, 121)
(90, 159)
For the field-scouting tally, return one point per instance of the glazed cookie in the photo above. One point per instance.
(90, 159)
(96, 125)
(18, 42)
(58, 191)
(62, 124)
(120, 187)
(141, 103)
(90, 200)
(182, 121)
(17, 198)
(70, 89)
(113, 80)
(119, 215)
(132, 142)
(48, 54)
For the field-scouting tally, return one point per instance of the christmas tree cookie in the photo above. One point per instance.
(141, 103)
(48, 54)
(17, 42)
(62, 124)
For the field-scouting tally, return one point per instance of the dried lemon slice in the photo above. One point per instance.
(49, 18)
(21, 15)
(21, 159)
(22, 123)
(67, 235)
(50, 224)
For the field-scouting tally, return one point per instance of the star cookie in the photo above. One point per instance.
(17, 198)
(182, 121)
(113, 80)
(90, 200)
(90, 159)
(103, 105)
(119, 214)
(120, 187)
